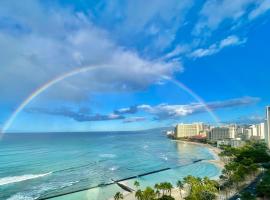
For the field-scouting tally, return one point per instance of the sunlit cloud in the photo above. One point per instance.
(214, 13)
(167, 111)
(215, 48)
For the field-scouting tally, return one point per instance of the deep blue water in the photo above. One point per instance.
(33, 165)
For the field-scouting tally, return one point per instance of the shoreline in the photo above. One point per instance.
(175, 191)
(213, 150)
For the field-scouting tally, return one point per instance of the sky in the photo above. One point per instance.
(131, 65)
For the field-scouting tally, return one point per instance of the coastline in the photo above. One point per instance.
(175, 191)
(213, 150)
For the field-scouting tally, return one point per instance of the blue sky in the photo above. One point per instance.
(139, 52)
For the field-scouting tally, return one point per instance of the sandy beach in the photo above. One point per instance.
(214, 150)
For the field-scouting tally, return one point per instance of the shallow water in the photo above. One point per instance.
(46, 164)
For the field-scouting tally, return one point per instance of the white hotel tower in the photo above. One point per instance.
(267, 126)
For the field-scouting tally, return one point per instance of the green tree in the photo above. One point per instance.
(180, 186)
(207, 195)
(118, 196)
(162, 187)
(139, 195)
(169, 187)
(201, 189)
(137, 184)
(263, 188)
(158, 188)
(149, 194)
(165, 197)
(247, 196)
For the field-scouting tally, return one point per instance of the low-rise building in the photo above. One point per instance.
(237, 142)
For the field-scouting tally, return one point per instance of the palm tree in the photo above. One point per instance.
(157, 193)
(149, 194)
(180, 186)
(157, 187)
(169, 187)
(207, 195)
(137, 184)
(162, 187)
(118, 196)
(139, 195)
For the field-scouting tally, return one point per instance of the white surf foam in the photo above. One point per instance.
(107, 155)
(15, 179)
(113, 168)
(20, 197)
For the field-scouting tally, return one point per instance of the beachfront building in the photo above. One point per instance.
(237, 142)
(220, 133)
(189, 130)
(267, 127)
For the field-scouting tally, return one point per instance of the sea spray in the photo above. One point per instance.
(15, 179)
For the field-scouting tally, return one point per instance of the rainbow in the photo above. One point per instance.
(40, 90)
(62, 77)
(195, 96)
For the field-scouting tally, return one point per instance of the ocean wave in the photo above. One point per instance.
(69, 184)
(108, 155)
(20, 197)
(113, 168)
(15, 179)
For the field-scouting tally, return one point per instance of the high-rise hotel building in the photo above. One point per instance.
(220, 133)
(189, 130)
(267, 126)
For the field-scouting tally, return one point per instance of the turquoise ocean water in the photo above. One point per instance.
(38, 165)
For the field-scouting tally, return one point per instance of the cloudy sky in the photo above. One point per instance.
(149, 63)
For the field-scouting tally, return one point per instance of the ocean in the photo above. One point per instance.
(43, 165)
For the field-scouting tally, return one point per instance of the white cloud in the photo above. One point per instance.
(216, 12)
(261, 8)
(53, 41)
(177, 51)
(159, 112)
(232, 40)
(132, 21)
(134, 119)
(167, 111)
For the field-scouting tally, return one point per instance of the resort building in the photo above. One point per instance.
(237, 142)
(267, 127)
(220, 133)
(189, 130)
